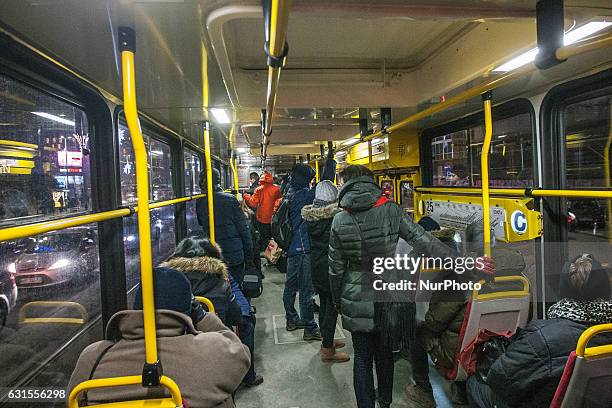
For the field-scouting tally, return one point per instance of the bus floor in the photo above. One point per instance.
(295, 377)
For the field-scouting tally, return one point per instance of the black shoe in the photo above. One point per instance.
(312, 334)
(316, 308)
(291, 326)
(254, 382)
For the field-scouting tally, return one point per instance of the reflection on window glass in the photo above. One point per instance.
(193, 227)
(44, 156)
(159, 161)
(162, 242)
(193, 167)
(60, 268)
(588, 140)
(456, 156)
(407, 195)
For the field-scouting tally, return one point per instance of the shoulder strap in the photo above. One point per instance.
(93, 369)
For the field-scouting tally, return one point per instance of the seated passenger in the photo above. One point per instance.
(439, 333)
(528, 372)
(205, 358)
(201, 262)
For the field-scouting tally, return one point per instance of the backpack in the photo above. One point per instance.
(281, 226)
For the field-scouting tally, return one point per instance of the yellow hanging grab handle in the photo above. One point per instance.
(207, 302)
(168, 383)
(484, 171)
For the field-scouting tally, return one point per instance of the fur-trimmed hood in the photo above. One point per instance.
(312, 213)
(201, 264)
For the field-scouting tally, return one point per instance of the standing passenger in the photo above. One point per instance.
(380, 222)
(263, 203)
(254, 179)
(231, 229)
(298, 254)
(319, 216)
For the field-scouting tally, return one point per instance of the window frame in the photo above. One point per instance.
(504, 111)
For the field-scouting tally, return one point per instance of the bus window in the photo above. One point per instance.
(406, 195)
(44, 156)
(193, 167)
(388, 189)
(161, 189)
(456, 156)
(587, 136)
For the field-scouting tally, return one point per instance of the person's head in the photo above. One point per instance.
(583, 278)
(325, 194)
(429, 224)
(355, 170)
(216, 179)
(301, 175)
(457, 174)
(172, 291)
(254, 177)
(194, 246)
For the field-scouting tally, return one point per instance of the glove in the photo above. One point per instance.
(488, 267)
(197, 311)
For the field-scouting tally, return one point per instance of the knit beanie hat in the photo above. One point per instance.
(171, 289)
(325, 193)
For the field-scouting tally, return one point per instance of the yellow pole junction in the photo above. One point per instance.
(142, 190)
(209, 180)
(484, 171)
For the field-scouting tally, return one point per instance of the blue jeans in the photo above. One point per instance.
(246, 332)
(299, 280)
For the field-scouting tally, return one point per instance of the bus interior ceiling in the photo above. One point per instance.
(343, 56)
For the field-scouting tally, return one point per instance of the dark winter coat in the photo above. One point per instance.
(319, 220)
(301, 195)
(381, 226)
(209, 278)
(528, 373)
(207, 360)
(231, 230)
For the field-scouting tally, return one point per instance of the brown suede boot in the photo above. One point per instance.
(330, 355)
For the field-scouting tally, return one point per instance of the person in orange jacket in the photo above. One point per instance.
(263, 201)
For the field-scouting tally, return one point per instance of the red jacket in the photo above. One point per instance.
(264, 198)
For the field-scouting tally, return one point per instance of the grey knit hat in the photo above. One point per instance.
(326, 193)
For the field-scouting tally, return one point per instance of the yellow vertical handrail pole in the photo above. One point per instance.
(127, 46)
(607, 174)
(234, 166)
(209, 181)
(317, 170)
(484, 171)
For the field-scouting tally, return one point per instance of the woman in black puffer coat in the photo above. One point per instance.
(319, 217)
(201, 262)
(528, 372)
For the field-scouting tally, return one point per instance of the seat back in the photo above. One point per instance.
(586, 383)
(500, 311)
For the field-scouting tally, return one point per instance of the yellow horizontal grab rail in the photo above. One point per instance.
(24, 231)
(168, 383)
(24, 319)
(562, 53)
(520, 192)
(476, 295)
(587, 335)
(206, 301)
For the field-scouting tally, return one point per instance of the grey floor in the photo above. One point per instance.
(295, 377)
